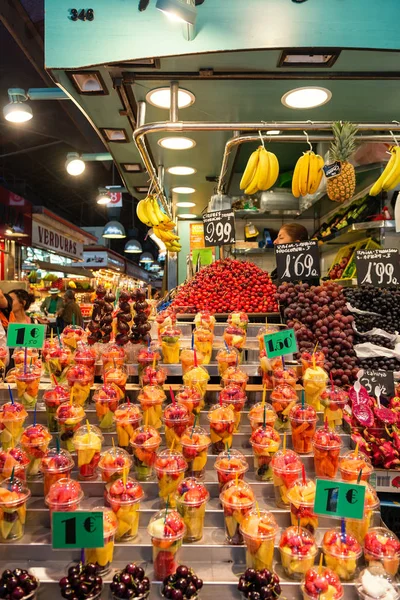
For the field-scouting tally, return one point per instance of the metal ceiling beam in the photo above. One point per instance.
(210, 74)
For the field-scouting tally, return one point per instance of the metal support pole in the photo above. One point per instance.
(141, 114)
(173, 111)
(160, 174)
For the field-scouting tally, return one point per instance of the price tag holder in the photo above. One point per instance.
(77, 530)
(25, 335)
(332, 170)
(339, 499)
(384, 379)
(298, 261)
(379, 268)
(280, 343)
(219, 228)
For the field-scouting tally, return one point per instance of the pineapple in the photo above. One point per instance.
(342, 187)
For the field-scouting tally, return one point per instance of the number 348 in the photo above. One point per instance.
(81, 14)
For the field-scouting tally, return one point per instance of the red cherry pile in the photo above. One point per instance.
(100, 326)
(226, 286)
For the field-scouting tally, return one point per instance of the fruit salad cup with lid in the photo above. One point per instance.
(127, 418)
(114, 463)
(265, 442)
(237, 499)
(235, 376)
(13, 460)
(298, 551)
(27, 382)
(165, 319)
(53, 397)
(56, 465)
(72, 335)
(314, 382)
(147, 357)
(166, 529)
(191, 499)
(151, 399)
(113, 355)
(203, 342)
(333, 400)
(222, 426)
(382, 549)
(321, 583)
(374, 583)
(256, 415)
(268, 366)
(232, 395)
(286, 470)
(145, 442)
(116, 377)
(205, 320)
(69, 418)
(284, 376)
(283, 398)
(87, 441)
(235, 337)
(310, 360)
(360, 527)
(14, 495)
(106, 400)
(170, 345)
(190, 397)
(80, 380)
(303, 422)
(351, 463)
(32, 355)
(230, 465)
(301, 496)
(195, 443)
(170, 467)
(239, 319)
(85, 355)
(341, 552)
(326, 444)
(187, 359)
(227, 357)
(64, 496)
(12, 419)
(35, 441)
(124, 497)
(154, 376)
(102, 557)
(176, 419)
(198, 378)
(259, 530)
(56, 361)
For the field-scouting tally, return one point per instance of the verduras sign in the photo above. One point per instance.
(44, 237)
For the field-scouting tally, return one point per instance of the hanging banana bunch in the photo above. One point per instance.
(261, 171)
(307, 173)
(390, 177)
(150, 213)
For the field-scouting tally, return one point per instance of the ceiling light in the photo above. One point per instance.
(185, 204)
(306, 97)
(132, 167)
(273, 132)
(177, 143)
(142, 189)
(181, 170)
(308, 58)
(74, 165)
(180, 189)
(146, 257)
(17, 112)
(103, 198)
(114, 230)
(114, 135)
(133, 247)
(186, 216)
(178, 10)
(161, 97)
(88, 82)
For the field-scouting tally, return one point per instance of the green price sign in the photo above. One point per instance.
(339, 499)
(77, 530)
(28, 336)
(280, 343)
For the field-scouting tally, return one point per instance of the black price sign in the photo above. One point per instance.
(219, 228)
(298, 261)
(374, 381)
(380, 268)
(332, 170)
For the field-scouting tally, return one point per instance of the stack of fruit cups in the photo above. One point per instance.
(360, 527)
(197, 377)
(12, 419)
(106, 399)
(166, 529)
(191, 499)
(283, 398)
(230, 465)
(265, 442)
(205, 319)
(145, 442)
(195, 443)
(27, 382)
(151, 399)
(80, 380)
(286, 470)
(170, 345)
(235, 376)
(113, 355)
(114, 463)
(375, 583)
(72, 335)
(301, 496)
(222, 425)
(303, 422)
(284, 376)
(298, 551)
(191, 398)
(170, 467)
(382, 549)
(327, 444)
(53, 397)
(320, 583)
(124, 496)
(227, 357)
(233, 395)
(187, 358)
(314, 383)
(341, 552)
(154, 376)
(56, 464)
(64, 496)
(259, 530)
(13, 460)
(312, 359)
(127, 418)
(14, 495)
(87, 441)
(56, 361)
(147, 356)
(237, 499)
(256, 415)
(102, 557)
(351, 463)
(69, 417)
(203, 342)
(176, 419)
(334, 399)
(116, 377)
(35, 441)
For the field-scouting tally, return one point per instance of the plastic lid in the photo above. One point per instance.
(147, 355)
(354, 463)
(12, 411)
(188, 393)
(237, 494)
(80, 373)
(233, 374)
(146, 437)
(13, 493)
(315, 374)
(192, 492)
(340, 545)
(57, 461)
(176, 412)
(265, 437)
(375, 583)
(256, 412)
(170, 461)
(380, 542)
(231, 461)
(285, 374)
(88, 437)
(302, 492)
(57, 393)
(334, 394)
(327, 439)
(286, 461)
(70, 412)
(195, 437)
(232, 394)
(110, 522)
(152, 394)
(238, 317)
(35, 435)
(167, 524)
(129, 413)
(310, 356)
(106, 393)
(64, 493)
(297, 541)
(298, 413)
(113, 351)
(283, 393)
(259, 524)
(198, 373)
(221, 414)
(30, 375)
(125, 495)
(317, 581)
(171, 332)
(114, 459)
(14, 457)
(224, 353)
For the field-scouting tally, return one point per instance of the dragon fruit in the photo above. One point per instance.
(385, 415)
(363, 414)
(362, 395)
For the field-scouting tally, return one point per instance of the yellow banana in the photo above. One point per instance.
(150, 212)
(168, 226)
(303, 175)
(142, 213)
(252, 188)
(262, 172)
(390, 181)
(273, 170)
(377, 187)
(315, 173)
(250, 170)
(295, 179)
(167, 235)
(157, 210)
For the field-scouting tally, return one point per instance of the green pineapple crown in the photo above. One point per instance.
(344, 143)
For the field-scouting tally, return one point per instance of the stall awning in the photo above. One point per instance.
(66, 269)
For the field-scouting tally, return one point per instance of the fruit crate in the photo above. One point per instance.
(349, 253)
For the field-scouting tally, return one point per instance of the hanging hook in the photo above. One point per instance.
(308, 140)
(261, 138)
(394, 137)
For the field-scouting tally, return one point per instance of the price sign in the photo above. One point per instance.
(371, 379)
(332, 170)
(219, 228)
(380, 268)
(280, 343)
(77, 530)
(339, 499)
(26, 335)
(298, 261)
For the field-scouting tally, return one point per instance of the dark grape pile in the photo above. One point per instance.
(15, 585)
(259, 585)
(378, 340)
(100, 326)
(319, 314)
(82, 582)
(385, 302)
(182, 584)
(380, 362)
(130, 582)
(141, 326)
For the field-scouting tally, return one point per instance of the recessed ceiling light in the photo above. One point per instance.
(273, 132)
(181, 170)
(183, 190)
(186, 216)
(132, 167)
(142, 189)
(161, 97)
(114, 135)
(88, 82)
(308, 58)
(306, 97)
(177, 143)
(185, 204)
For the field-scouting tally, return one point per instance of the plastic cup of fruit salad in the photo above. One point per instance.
(69, 418)
(350, 465)
(303, 422)
(80, 380)
(170, 344)
(166, 529)
(235, 376)
(374, 583)
(203, 342)
(14, 495)
(382, 549)
(326, 444)
(35, 441)
(227, 357)
(170, 467)
(27, 383)
(237, 499)
(187, 359)
(282, 376)
(102, 557)
(301, 496)
(222, 426)
(191, 499)
(360, 527)
(195, 443)
(283, 398)
(198, 378)
(12, 419)
(56, 464)
(124, 499)
(265, 442)
(286, 470)
(114, 463)
(176, 419)
(53, 397)
(106, 401)
(334, 399)
(151, 398)
(321, 583)
(256, 415)
(230, 464)
(64, 496)
(314, 383)
(341, 552)
(298, 551)
(309, 359)
(13, 459)
(127, 418)
(145, 443)
(190, 397)
(234, 396)
(259, 530)
(87, 441)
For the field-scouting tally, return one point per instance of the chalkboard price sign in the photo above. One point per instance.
(379, 268)
(298, 261)
(219, 228)
(371, 380)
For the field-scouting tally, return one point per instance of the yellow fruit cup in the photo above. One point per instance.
(170, 467)
(124, 499)
(27, 383)
(341, 552)
(127, 418)
(203, 341)
(12, 419)
(259, 530)
(170, 345)
(360, 527)
(298, 551)
(151, 399)
(222, 425)
(314, 382)
(102, 557)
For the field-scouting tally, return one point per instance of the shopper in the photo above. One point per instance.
(70, 313)
(52, 303)
(5, 308)
(21, 301)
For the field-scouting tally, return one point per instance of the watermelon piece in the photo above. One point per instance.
(363, 414)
